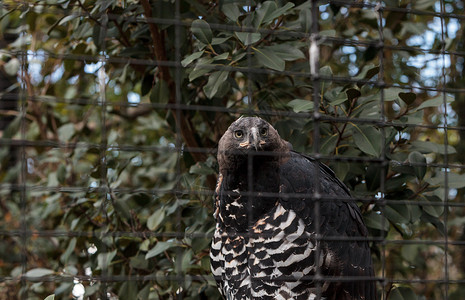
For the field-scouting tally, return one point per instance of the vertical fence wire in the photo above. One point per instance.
(24, 97)
(104, 188)
(380, 18)
(178, 108)
(314, 61)
(179, 142)
(446, 154)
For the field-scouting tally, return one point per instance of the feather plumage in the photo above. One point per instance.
(270, 205)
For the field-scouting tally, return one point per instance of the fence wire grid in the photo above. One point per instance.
(111, 112)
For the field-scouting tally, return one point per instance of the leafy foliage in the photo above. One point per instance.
(114, 183)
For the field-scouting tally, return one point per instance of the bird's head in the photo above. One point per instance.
(250, 135)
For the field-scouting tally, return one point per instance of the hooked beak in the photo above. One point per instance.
(254, 138)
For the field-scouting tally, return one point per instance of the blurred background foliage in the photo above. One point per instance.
(110, 114)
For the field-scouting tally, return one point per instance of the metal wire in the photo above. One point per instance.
(179, 108)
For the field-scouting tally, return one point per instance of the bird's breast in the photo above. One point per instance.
(240, 200)
(275, 259)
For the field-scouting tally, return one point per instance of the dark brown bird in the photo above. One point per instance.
(271, 204)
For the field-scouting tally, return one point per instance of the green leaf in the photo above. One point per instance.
(423, 4)
(286, 52)
(190, 58)
(269, 11)
(128, 290)
(402, 293)
(186, 262)
(13, 128)
(66, 131)
(67, 19)
(373, 177)
(201, 30)
(144, 246)
(305, 20)
(12, 66)
(92, 289)
(199, 70)
(397, 213)
(145, 292)
(264, 12)
(376, 221)
(231, 11)
(436, 209)
(411, 252)
(392, 93)
(269, 59)
(160, 92)
(70, 270)
(39, 272)
(367, 139)
(219, 41)
(328, 144)
(214, 82)
(301, 105)
(454, 180)
(435, 102)
(397, 183)
(50, 297)
(280, 11)
(326, 71)
(160, 247)
(71, 92)
(104, 259)
(430, 147)
(248, 38)
(417, 158)
(61, 173)
(138, 262)
(336, 98)
(69, 250)
(156, 219)
(436, 222)
(221, 56)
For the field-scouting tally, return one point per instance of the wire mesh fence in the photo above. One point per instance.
(111, 112)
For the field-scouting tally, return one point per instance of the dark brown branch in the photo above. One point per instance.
(124, 39)
(158, 44)
(341, 132)
(186, 131)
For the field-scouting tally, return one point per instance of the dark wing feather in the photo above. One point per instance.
(339, 217)
(326, 172)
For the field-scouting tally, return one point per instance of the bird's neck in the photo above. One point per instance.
(247, 193)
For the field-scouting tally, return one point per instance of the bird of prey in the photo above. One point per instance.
(286, 227)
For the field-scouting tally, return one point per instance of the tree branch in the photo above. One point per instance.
(187, 131)
(158, 43)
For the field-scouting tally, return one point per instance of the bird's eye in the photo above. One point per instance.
(238, 134)
(264, 131)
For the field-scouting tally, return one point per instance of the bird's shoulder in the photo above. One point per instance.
(299, 177)
(339, 217)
